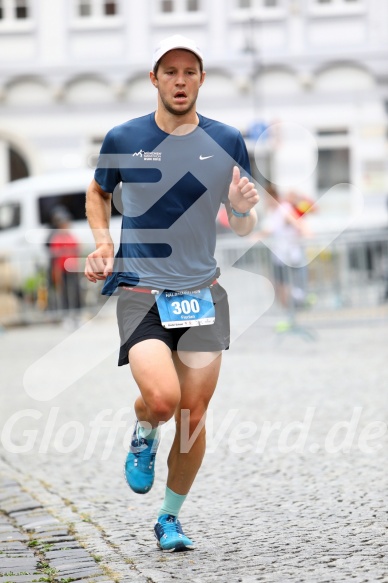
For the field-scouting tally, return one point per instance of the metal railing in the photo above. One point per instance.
(345, 279)
(28, 295)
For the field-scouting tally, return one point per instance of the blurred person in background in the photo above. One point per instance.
(64, 279)
(385, 263)
(301, 203)
(284, 226)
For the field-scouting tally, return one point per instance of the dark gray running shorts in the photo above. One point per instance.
(138, 319)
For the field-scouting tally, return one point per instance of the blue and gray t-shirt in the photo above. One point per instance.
(172, 189)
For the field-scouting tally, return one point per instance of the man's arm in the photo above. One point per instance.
(242, 197)
(99, 264)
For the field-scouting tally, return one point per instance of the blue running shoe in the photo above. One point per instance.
(139, 467)
(170, 536)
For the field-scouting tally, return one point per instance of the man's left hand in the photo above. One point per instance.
(242, 194)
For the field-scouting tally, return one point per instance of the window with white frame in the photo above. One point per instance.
(333, 167)
(15, 10)
(337, 3)
(334, 7)
(179, 6)
(192, 5)
(84, 8)
(110, 8)
(21, 9)
(167, 6)
(95, 8)
(245, 10)
(244, 4)
(258, 4)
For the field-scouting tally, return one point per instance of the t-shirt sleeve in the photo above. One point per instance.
(240, 156)
(107, 173)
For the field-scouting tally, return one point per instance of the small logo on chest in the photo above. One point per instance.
(149, 156)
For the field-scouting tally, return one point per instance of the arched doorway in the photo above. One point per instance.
(18, 167)
(13, 163)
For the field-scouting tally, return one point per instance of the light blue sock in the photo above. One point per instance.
(172, 503)
(147, 433)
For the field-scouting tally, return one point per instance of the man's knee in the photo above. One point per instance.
(162, 406)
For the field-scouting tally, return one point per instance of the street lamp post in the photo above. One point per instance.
(251, 48)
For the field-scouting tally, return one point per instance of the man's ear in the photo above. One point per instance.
(154, 79)
(203, 75)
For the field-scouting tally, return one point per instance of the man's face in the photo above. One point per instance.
(178, 81)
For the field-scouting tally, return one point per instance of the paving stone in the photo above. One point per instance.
(97, 579)
(74, 571)
(64, 546)
(69, 562)
(13, 535)
(22, 578)
(19, 564)
(67, 555)
(60, 540)
(13, 507)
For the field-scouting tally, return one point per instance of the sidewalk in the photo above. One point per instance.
(293, 487)
(35, 546)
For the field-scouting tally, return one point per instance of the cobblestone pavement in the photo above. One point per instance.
(293, 487)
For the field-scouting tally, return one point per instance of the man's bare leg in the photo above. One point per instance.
(197, 388)
(197, 384)
(154, 372)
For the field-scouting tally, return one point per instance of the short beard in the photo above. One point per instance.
(180, 112)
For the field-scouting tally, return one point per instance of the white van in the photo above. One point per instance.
(25, 209)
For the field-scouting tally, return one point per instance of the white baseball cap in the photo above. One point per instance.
(177, 41)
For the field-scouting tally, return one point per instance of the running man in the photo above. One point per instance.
(176, 168)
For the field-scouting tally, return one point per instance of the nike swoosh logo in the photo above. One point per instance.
(205, 157)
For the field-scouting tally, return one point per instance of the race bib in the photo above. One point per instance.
(185, 309)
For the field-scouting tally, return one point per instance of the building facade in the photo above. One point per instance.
(306, 81)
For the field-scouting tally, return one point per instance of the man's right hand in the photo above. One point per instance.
(99, 264)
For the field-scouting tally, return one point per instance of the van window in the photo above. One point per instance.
(73, 201)
(9, 215)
